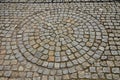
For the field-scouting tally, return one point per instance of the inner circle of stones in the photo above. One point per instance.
(63, 38)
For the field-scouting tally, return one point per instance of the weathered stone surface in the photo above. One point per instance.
(59, 41)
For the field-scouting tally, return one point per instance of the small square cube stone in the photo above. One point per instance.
(92, 69)
(115, 70)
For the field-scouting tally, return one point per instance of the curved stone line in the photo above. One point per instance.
(93, 29)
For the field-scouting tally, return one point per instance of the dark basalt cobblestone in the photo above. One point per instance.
(60, 41)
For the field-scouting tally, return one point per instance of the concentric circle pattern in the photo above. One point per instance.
(60, 39)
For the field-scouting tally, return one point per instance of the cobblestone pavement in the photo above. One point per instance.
(56, 1)
(59, 41)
